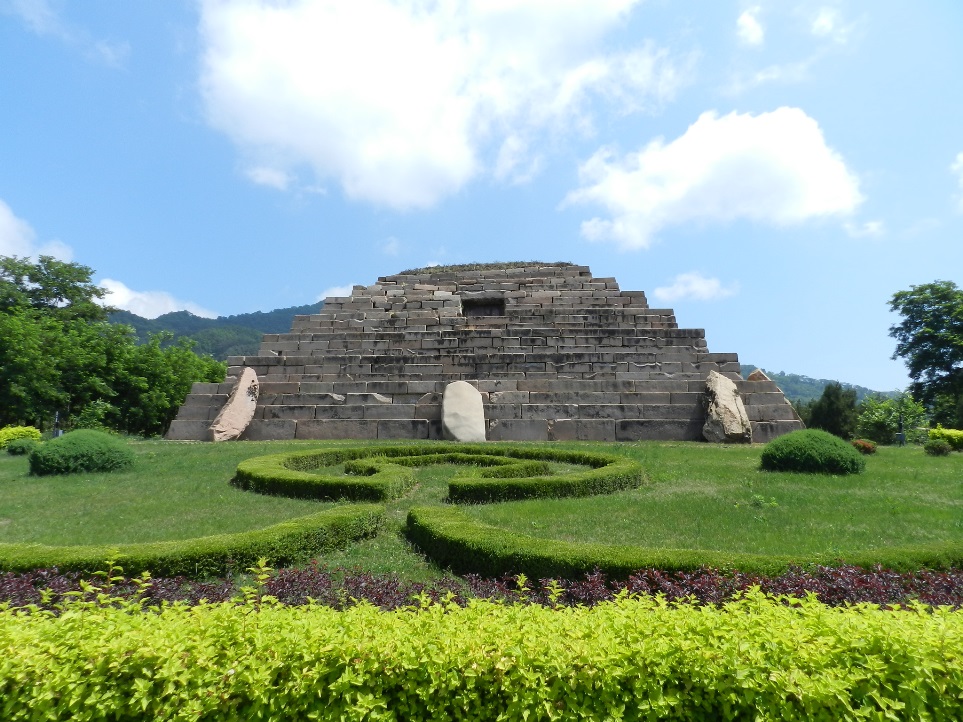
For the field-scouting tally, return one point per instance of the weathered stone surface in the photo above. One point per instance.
(758, 375)
(462, 412)
(566, 356)
(239, 409)
(726, 418)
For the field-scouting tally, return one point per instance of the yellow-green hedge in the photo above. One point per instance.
(954, 437)
(9, 433)
(632, 659)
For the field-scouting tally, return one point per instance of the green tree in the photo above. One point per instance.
(55, 288)
(835, 411)
(930, 339)
(881, 418)
(59, 356)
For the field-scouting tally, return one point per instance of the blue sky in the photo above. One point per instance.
(772, 171)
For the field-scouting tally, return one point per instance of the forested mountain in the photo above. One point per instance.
(803, 388)
(220, 337)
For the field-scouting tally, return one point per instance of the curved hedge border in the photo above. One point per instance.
(283, 543)
(505, 473)
(455, 540)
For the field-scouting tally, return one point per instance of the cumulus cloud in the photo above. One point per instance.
(693, 286)
(18, 238)
(748, 28)
(957, 168)
(773, 168)
(404, 102)
(149, 304)
(336, 292)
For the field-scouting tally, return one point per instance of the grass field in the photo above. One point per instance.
(698, 496)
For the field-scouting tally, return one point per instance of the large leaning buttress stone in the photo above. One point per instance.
(462, 412)
(239, 409)
(726, 418)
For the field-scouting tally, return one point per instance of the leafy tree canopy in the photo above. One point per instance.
(835, 411)
(930, 338)
(59, 357)
(55, 288)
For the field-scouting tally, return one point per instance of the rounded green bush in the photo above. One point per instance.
(812, 451)
(81, 450)
(21, 447)
(937, 447)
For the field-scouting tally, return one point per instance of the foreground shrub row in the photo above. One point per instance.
(752, 658)
(284, 543)
(492, 472)
(454, 539)
(343, 588)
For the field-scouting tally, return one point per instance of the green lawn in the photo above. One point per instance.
(698, 496)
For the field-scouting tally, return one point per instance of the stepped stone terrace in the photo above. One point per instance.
(556, 354)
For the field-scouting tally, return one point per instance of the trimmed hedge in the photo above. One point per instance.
(84, 450)
(755, 658)
(378, 472)
(812, 451)
(284, 543)
(455, 540)
(953, 437)
(9, 433)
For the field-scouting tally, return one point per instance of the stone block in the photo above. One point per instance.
(518, 430)
(288, 411)
(774, 412)
(765, 431)
(389, 411)
(341, 411)
(562, 430)
(189, 430)
(658, 430)
(673, 411)
(337, 429)
(610, 411)
(549, 411)
(270, 430)
(403, 429)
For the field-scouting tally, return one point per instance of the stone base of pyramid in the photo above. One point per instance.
(557, 355)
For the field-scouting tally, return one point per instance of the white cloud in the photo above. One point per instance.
(957, 168)
(336, 292)
(869, 229)
(18, 238)
(693, 286)
(828, 23)
(404, 102)
(149, 304)
(271, 177)
(748, 28)
(773, 167)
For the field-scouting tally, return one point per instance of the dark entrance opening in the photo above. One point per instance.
(483, 306)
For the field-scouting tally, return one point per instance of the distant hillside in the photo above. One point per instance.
(804, 388)
(220, 337)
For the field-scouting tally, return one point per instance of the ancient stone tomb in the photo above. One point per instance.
(555, 353)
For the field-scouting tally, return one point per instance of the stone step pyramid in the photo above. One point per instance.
(556, 353)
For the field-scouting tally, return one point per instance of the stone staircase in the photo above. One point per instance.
(556, 354)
